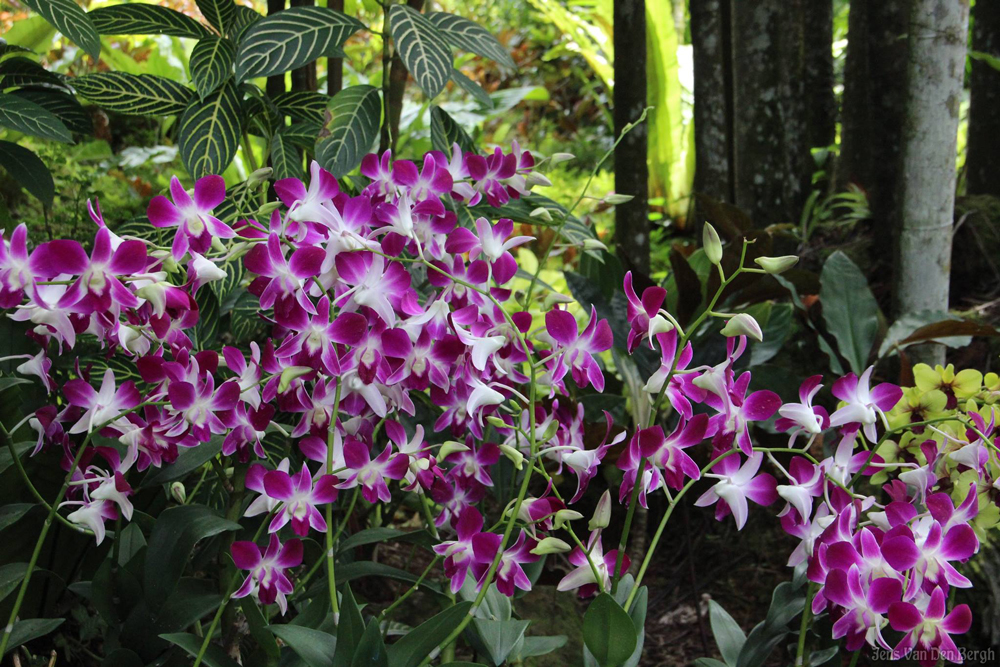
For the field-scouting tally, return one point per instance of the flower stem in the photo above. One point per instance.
(804, 625)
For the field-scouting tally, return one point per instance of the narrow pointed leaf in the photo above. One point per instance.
(10, 514)
(62, 106)
(143, 19)
(71, 20)
(292, 38)
(350, 129)
(473, 88)
(472, 37)
(423, 48)
(22, 115)
(209, 132)
(32, 628)
(215, 656)
(316, 648)
(142, 94)
(349, 630)
(211, 64)
(420, 641)
(445, 132)
(28, 170)
(371, 650)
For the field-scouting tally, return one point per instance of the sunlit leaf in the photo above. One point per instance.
(422, 47)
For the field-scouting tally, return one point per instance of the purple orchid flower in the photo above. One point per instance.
(510, 572)
(371, 474)
(736, 484)
(682, 388)
(280, 282)
(574, 350)
(17, 276)
(641, 311)
(101, 406)
(459, 553)
(863, 605)
(493, 242)
(863, 403)
(267, 581)
(300, 495)
(201, 407)
(474, 462)
(928, 627)
(196, 226)
(737, 411)
(582, 577)
(804, 417)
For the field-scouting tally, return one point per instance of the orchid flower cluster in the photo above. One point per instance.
(379, 299)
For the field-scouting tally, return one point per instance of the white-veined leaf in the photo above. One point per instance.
(472, 37)
(292, 38)
(62, 106)
(423, 48)
(211, 64)
(219, 13)
(302, 104)
(351, 127)
(22, 115)
(209, 132)
(445, 133)
(143, 19)
(142, 94)
(71, 20)
(285, 157)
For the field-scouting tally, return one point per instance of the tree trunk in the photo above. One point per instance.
(773, 165)
(275, 84)
(304, 78)
(817, 54)
(710, 39)
(873, 111)
(937, 38)
(983, 157)
(631, 169)
(334, 66)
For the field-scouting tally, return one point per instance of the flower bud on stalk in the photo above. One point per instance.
(712, 244)
(602, 514)
(743, 325)
(776, 265)
(551, 545)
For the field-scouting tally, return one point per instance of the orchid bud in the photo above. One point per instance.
(659, 324)
(450, 447)
(563, 517)
(712, 244)
(615, 199)
(155, 294)
(133, 341)
(551, 545)
(178, 492)
(268, 208)
(289, 375)
(515, 456)
(205, 270)
(551, 431)
(497, 422)
(593, 244)
(217, 244)
(602, 515)
(552, 298)
(776, 265)
(167, 261)
(558, 158)
(537, 178)
(541, 213)
(258, 176)
(743, 325)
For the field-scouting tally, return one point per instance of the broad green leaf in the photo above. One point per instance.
(244, 318)
(849, 309)
(382, 534)
(211, 64)
(193, 599)
(292, 38)
(285, 157)
(209, 132)
(776, 329)
(445, 133)
(907, 324)
(302, 134)
(422, 47)
(472, 37)
(32, 628)
(314, 647)
(420, 641)
(371, 650)
(350, 129)
(132, 542)
(22, 115)
(817, 658)
(33, 33)
(219, 13)
(176, 532)
(215, 656)
(20, 448)
(62, 106)
(11, 514)
(358, 569)
(20, 72)
(189, 460)
(28, 170)
(304, 105)
(473, 88)
(206, 331)
(12, 381)
(535, 646)
(243, 19)
(499, 638)
(138, 94)
(728, 635)
(259, 630)
(608, 632)
(11, 576)
(349, 630)
(144, 19)
(69, 18)
(7, 49)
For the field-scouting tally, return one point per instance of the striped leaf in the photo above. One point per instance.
(302, 105)
(445, 133)
(472, 37)
(472, 88)
(303, 134)
(28, 170)
(292, 38)
(229, 288)
(17, 113)
(227, 211)
(142, 19)
(138, 94)
(209, 132)
(422, 47)
(69, 18)
(19, 72)
(285, 157)
(7, 49)
(219, 13)
(62, 106)
(244, 321)
(205, 332)
(211, 64)
(350, 128)
(244, 18)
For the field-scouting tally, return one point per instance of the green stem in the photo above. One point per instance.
(412, 589)
(804, 625)
(330, 556)
(854, 658)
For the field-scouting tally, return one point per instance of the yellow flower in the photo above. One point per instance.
(916, 406)
(961, 385)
